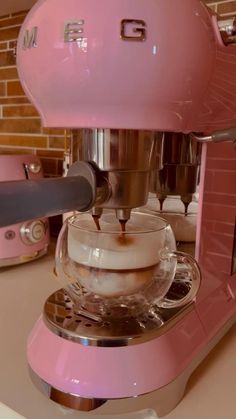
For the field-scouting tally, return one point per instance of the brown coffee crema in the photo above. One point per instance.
(133, 280)
(118, 271)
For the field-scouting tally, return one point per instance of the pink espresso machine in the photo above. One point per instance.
(128, 72)
(28, 240)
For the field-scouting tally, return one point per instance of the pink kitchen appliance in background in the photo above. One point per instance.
(147, 82)
(26, 241)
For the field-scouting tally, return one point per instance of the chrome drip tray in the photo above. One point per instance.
(75, 324)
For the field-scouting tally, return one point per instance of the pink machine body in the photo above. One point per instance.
(77, 368)
(26, 241)
(182, 79)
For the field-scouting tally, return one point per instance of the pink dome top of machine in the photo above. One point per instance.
(132, 64)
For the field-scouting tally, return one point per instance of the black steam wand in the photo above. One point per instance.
(28, 199)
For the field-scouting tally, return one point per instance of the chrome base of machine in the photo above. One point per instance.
(23, 258)
(158, 403)
(72, 401)
(71, 322)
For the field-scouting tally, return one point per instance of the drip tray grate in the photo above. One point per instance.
(75, 323)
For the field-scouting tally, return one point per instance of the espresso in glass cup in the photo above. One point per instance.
(118, 272)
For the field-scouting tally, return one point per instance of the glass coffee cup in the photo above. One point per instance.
(122, 273)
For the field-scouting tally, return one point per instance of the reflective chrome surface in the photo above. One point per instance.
(33, 168)
(90, 171)
(136, 27)
(73, 401)
(78, 325)
(180, 164)
(114, 149)
(73, 30)
(30, 38)
(228, 134)
(125, 158)
(33, 231)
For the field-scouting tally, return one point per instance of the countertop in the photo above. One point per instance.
(23, 289)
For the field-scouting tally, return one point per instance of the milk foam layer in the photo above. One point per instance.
(109, 249)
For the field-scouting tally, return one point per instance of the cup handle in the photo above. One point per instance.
(62, 261)
(59, 252)
(187, 272)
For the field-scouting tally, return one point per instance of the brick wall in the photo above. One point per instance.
(223, 7)
(20, 126)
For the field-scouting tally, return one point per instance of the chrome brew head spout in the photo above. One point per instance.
(178, 171)
(125, 158)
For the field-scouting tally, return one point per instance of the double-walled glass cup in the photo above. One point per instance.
(108, 271)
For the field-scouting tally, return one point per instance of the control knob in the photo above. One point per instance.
(33, 232)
